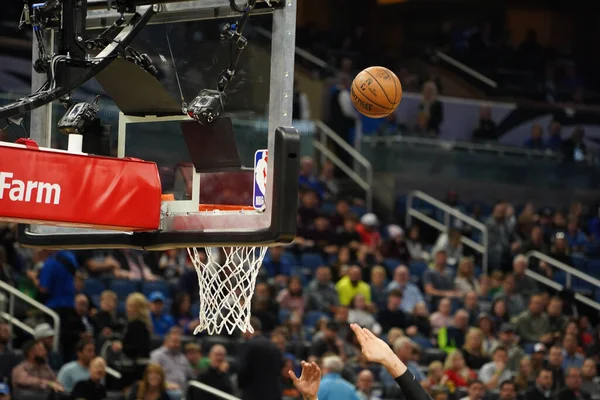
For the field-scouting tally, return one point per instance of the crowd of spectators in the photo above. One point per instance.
(462, 332)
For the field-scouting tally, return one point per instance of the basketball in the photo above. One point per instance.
(376, 92)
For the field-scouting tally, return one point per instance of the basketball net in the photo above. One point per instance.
(226, 279)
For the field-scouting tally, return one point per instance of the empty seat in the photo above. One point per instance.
(417, 268)
(391, 264)
(123, 288)
(312, 317)
(430, 355)
(157, 286)
(93, 287)
(312, 260)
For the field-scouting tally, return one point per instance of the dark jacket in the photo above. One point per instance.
(259, 371)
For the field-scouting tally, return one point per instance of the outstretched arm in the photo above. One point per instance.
(376, 350)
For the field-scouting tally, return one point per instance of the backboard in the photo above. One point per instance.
(142, 118)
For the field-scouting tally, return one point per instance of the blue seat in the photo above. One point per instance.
(157, 286)
(284, 315)
(311, 260)
(593, 267)
(312, 317)
(391, 264)
(579, 262)
(123, 288)
(288, 257)
(417, 268)
(93, 287)
(328, 207)
(358, 210)
(195, 310)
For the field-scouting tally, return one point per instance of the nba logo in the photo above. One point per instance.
(260, 179)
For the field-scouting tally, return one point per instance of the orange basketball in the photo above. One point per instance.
(376, 92)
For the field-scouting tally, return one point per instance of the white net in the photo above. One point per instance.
(226, 277)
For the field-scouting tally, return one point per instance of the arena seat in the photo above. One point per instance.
(417, 268)
(123, 288)
(391, 264)
(156, 286)
(312, 317)
(311, 260)
(232, 345)
(430, 355)
(93, 287)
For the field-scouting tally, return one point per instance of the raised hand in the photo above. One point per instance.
(378, 351)
(309, 381)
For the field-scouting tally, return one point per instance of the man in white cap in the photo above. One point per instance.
(45, 334)
(367, 229)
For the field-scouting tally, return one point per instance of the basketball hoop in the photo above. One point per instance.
(226, 279)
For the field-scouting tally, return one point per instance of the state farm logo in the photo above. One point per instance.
(28, 191)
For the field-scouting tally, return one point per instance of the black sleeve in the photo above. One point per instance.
(136, 343)
(411, 388)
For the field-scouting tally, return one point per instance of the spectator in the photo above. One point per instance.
(347, 235)
(34, 373)
(443, 316)
(171, 264)
(321, 294)
(76, 371)
(133, 265)
(554, 141)
(404, 349)
(392, 315)
(45, 334)
(524, 285)
(308, 210)
(456, 370)
(536, 141)
(106, 321)
(277, 266)
(265, 308)
(411, 294)
(438, 282)
(152, 386)
(8, 358)
(92, 388)
(415, 244)
(476, 390)
(451, 244)
(320, 237)
(420, 318)
(351, 285)
(289, 389)
(574, 149)
(173, 362)
(342, 114)
(333, 386)
(514, 300)
(532, 325)
(431, 111)
(342, 211)
(524, 378)
(508, 390)
(56, 285)
(368, 231)
(486, 129)
(292, 298)
(555, 359)
(181, 311)
(572, 388)
(543, 386)
(188, 282)
(359, 314)
(378, 287)
(453, 337)
(436, 375)
(136, 341)
(193, 353)
(4, 388)
(81, 322)
(538, 358)
(472, 350)
(396, 246)
(510, 343)
(575, 236)
(496, 371)
(364, 386)
(260, 364)
(589, 384)
(465, 280)
(499, 312)
(329, 342)
(161, 321)
(571, 358)
(501, 238)
(301, 105)
(488, 331)
(328, 182)
(217, 374)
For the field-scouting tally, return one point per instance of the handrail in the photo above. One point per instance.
(359, 158)
(558, 287)
(340, 164)
(113, 372)
(448, 211)
(467, 70)
(16, 293)
(212, 390)
(14, 321)
(496, 148)
(564, 267)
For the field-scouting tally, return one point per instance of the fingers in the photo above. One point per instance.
(293, 376)
(369, 334)
(360, 334)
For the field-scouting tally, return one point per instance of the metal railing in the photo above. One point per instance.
(466, 69)
(448, 212)
(216, 392)
(570, 271)
(14, 293)
(320, 144)
(558, 287)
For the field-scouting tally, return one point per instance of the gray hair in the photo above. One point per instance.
(403, 341)
(333, 364)
(520, 258)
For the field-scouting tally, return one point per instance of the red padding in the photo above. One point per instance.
(78, 190)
